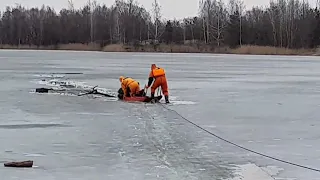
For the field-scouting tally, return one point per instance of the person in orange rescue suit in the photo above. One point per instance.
(129, 86)
(159, 76)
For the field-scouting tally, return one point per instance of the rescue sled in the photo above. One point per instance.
(140, 98)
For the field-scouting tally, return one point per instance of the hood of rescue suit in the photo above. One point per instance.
(153, 66)
(121, 78)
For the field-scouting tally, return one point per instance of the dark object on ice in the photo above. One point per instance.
(141, 97)
(93, 91)
(120, 93)
(22, 164)
(43, 90)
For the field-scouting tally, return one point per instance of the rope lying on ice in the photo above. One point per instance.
(241, 147)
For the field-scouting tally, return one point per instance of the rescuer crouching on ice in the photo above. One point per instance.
(130, 87)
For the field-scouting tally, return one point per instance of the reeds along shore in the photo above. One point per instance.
(245, 49)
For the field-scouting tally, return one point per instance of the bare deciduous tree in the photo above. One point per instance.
(157, 20)
(285, 23)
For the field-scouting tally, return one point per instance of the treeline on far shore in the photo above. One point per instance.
(284, 27)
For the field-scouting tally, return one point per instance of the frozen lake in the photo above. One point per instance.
(265, 103)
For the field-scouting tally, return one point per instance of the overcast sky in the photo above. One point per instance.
(170, 8)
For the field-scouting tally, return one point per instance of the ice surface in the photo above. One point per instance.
(266, 103)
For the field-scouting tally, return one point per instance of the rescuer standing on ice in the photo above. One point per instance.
(159, 76)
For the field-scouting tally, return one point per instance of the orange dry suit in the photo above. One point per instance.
(159, 76)
(129, 86)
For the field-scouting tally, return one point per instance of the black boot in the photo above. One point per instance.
(152, 98)
(167, 99)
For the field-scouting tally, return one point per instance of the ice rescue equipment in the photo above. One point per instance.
(142, 98)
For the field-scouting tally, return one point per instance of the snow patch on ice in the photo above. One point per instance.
(110, 99)
(49, 75)
(65, 84)
(33, 155)
(89, 113)
(253, 172)
(182, 102)
(175, 101)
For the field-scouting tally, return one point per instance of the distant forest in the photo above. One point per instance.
(284, 23)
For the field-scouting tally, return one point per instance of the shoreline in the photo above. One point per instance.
(170, 49)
